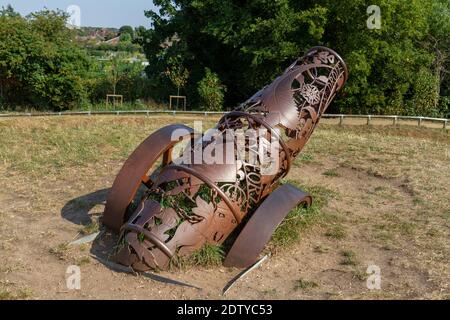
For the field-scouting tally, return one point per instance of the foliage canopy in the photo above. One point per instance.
(401, 68)
(40, 64)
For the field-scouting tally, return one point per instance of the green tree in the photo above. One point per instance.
(126, 29)
(9, 12)
(177, 73)
(139, 35)
(248, 43)
(40, 64)
(125, 37)
(115, 70)
(211, 92)
(384, 63)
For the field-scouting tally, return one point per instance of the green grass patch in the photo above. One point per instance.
(336, 232)
(360, 275)
(446, 215)
(331, 173)
(407, 228)
(302, 284)
(208, 256)
(289, 231)
(83, 261)
(349, 258)
(90, 228)
(304, 157)
(21, 294)
(301, 218)
(60, 251)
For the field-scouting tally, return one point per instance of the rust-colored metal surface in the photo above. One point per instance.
(225, 178)
(258, 230)
(135, 171)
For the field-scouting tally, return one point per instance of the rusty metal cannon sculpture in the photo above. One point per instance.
(191, 201)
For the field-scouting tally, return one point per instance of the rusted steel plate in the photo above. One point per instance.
(134, 172)
(259, 229)
(242, 274)
(209, 183)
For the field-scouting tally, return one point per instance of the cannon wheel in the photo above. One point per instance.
(259, 229)
(134, 172)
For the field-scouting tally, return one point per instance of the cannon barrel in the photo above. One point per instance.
(222, 181)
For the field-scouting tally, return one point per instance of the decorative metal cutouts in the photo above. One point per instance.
(224, 181)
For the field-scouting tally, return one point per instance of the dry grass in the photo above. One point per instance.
(18, 294)
(384, 192)
(349, 258)
(302, 284)
(35, 146)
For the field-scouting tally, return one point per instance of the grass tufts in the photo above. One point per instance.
(331, 173)
(60, 251)
(302, 284)
(21, 294)
(208, 256)
(349, 258)
(301, 218)
(90, 228)
(336, 232)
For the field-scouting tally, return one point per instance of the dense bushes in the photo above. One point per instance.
(43, 68)
(39, 64)
(211, 92)
(132, 88)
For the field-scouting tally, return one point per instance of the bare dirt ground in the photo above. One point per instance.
(390, 208)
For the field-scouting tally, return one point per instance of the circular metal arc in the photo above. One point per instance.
(259, 229)
(210, 184)
(134, 170)
(268, 127)
(150, 237)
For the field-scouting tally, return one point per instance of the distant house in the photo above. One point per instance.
(113, 41)
(96, 35)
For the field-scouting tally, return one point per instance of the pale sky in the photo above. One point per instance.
(94, 13)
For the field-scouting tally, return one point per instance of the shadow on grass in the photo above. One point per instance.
(84, 211)
(80, 210)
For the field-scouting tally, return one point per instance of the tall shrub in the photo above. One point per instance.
(211, 92)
